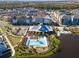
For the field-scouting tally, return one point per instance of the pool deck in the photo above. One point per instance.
(40, 42)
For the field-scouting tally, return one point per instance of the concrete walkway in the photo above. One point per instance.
(12, 48)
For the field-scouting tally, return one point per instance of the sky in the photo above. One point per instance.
(32, 0)
(39, 0)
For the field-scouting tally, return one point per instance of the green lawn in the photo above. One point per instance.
(1, 30)
(14, 40)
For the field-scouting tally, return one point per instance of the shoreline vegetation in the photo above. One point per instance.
(75, 31)
(37, 5)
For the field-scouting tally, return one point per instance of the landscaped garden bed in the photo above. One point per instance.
(22, 51)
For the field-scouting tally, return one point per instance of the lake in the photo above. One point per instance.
(69, 47)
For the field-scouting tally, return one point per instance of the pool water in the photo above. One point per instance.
(41, 42)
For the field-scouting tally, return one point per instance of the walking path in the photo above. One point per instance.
(12, 48)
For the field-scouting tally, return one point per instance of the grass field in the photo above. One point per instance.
(51, 5)
(14, 39)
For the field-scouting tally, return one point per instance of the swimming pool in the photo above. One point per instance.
(40, 42)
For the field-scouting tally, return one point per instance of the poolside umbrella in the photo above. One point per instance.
(43, 29)
(40, 28)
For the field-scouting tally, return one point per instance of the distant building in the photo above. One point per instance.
(29, 21)
(38, 20)
(21, 21)
(47, 20)
(62, 14)
(32, 13)
(70, 20)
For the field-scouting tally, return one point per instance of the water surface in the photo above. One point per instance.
(69, 47)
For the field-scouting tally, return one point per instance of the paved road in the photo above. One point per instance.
(69, 47)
